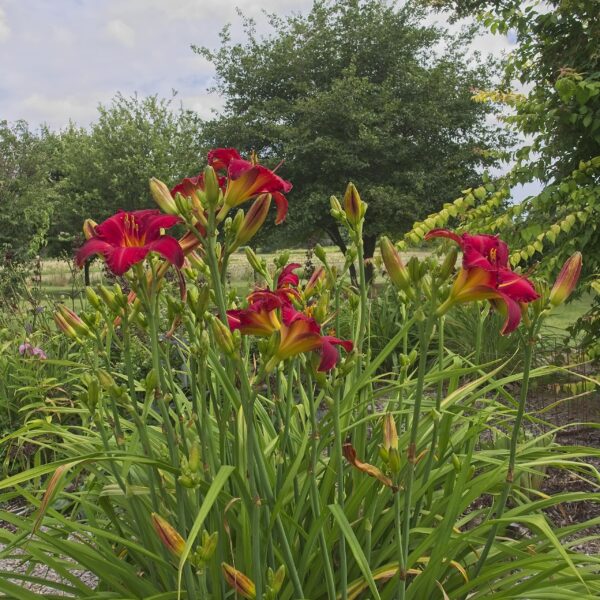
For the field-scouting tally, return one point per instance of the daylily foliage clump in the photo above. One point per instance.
(266, 450)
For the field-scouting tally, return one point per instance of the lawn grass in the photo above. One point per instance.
(61, 281)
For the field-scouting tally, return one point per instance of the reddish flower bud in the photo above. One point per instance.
(253, 220)
(239, 582)
(168, 535)
(354, 207)
(71, 323)
(567, 280)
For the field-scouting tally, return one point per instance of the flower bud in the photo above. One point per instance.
(73, 322)
(315, 279)
(567, 280)
(195, 458)
(162, 196)
(93, 298)
(253, 221)
(394, 460)
(208, 547)
(447, 267)
(109, 298)
(414, 269)
(254, 261)
(390, 435)
(320, 253)
(168, 535)
(212, 189)
(335, 205)
(239, 582)
(222, 335)
(89, 228)
(395, 267)
(276, 580)
(183, 205)
(354, 207)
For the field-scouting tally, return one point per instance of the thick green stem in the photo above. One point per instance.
(424, 339)
(512, 456)
(314, 494)
(341, 493)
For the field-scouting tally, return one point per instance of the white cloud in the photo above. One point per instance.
(121, 32)
(77, 53)
(4, 28)
(57, 111)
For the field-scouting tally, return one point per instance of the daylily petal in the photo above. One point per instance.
(92, 246)
(112, 230)
(188, 186)
(169, 248)
(282, 207)
(120, 259)
(516, 286)
(247, 180)
(444, 233)
(330, 354)
(220, 158)
(288, 277)
(511, 309)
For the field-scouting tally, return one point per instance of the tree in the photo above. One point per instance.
(558, 61)
(28, 188)
(356, 91)
(108, 167)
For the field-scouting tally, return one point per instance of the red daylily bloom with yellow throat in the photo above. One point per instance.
(487, 252)
(127, 237)
(247, 179)
(271, 312)
(486, 276)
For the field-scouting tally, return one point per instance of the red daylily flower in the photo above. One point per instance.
(189, 186)
(271, 312)
(485, 276)
(487, 252)
(246, 179)
(127, 237)
(505, 289)
(287, 277)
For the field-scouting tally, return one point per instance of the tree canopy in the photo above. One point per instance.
(356, 91)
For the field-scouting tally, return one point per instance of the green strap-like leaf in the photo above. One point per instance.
(210, 498)
(359, 555)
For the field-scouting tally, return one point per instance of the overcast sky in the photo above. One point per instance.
(60, 58)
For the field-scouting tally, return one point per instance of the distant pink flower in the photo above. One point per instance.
(26, 349)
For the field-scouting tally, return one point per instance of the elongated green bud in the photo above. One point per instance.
(222, 335)
(212, 189)
(395, 267)
(93, 298)
(162, 196)
(447, 267)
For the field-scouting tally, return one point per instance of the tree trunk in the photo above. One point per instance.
(369, 243)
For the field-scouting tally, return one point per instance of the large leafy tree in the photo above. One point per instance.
(107, 167)
(358, 91)
(28, 188)
(555, 70)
